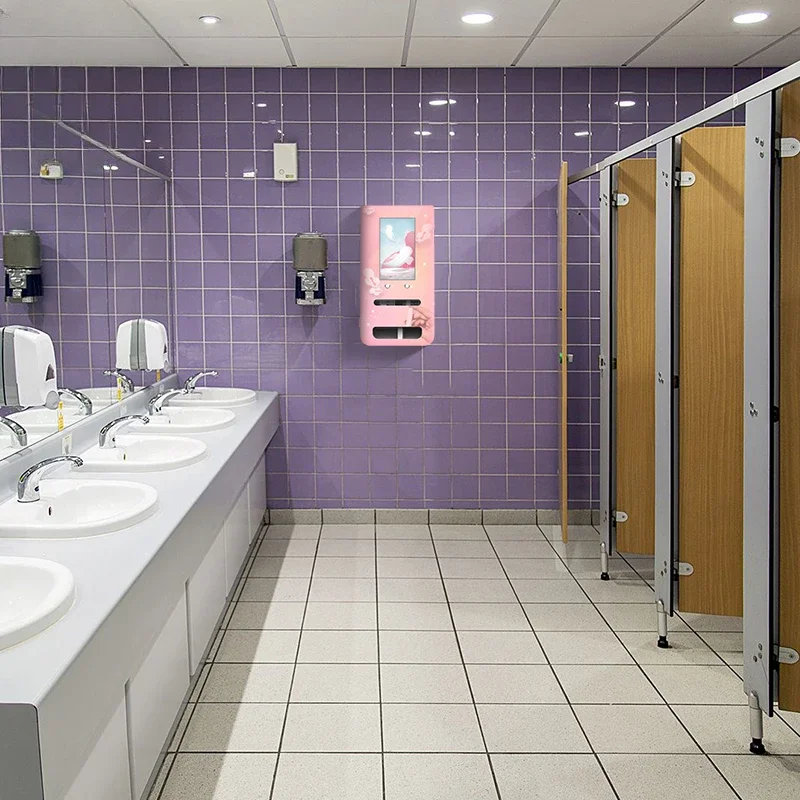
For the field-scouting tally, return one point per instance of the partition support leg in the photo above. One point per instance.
(603, 562)
(756, 726)
(662, 624)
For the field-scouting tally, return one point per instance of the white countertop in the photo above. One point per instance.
(106, 567)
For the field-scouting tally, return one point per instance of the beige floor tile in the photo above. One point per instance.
(438, 776)
(514, 683)
(637, 617)
(500, 647)
(709, 622)
(458, 533)
(343, 590)
(551, 777)
(161, 778)
(583, 647)
(415, 616)
(455, 548)
(654, 777)
(554, 591)
(288, 548)
(424, 683)
(431, 728)
(536, 568)
(258, 647)
(344, 548)
(634, 729)
(231, 727)
(345, 647)
(514, 533)
(267, 616)
(328, 776)
(351, 531)
(606, 684)
(393, 531)
(725, 730)
(180, 730)
(531, 549)
(341, 616)
(589, 568)
(618, 591)
(479, 590)
(589, 548)
(489, 617)
(405, 548)
(411, 590)
(401, 567)
(335, 683)
(344, 567)
(292, 532)
(700, 685)
(730, 642)
(217, 776)
(471, 568)
(332, 728)
(575, 533)
(686, 648)
(275, 567)
(752, 777)
(247, 683)
(275, 590)
(531, 729)
(419, 647)
(564, 617)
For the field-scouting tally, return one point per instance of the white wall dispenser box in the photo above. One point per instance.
(285, 161)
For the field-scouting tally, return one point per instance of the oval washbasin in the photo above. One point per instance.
(45, 420)
(69, 509)
(34, 593)
(186, 420)
(101, 397)
(220, 396)
(135, 453)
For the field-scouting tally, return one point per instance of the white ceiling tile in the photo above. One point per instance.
(464, 51)
(569, 51)
(105, 18)
(613, 17)
(240, 52)
(85, 52)
(345, 18)
(782, 54)
(246, 18)
(700, 51)
(715, 17)
(372, 52)
(511, 17)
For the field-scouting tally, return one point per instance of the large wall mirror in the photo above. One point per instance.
(104, 235)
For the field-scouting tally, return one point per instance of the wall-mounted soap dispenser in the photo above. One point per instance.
(27, 368)
(23, 266)
(142, 344)
(310, 260)
(397, 276)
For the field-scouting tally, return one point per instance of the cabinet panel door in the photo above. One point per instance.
(257, 493)
(237, 539)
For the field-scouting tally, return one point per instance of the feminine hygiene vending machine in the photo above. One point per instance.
(397, 276)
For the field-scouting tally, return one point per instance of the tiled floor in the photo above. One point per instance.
(415, 662)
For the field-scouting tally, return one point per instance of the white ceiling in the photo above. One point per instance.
(393, 33)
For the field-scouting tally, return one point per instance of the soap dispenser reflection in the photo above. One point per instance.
(310, 260)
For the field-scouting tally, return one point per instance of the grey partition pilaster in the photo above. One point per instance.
(605, 366)
(666, 383)
(759, 407)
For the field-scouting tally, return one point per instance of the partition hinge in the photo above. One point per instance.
(786, 655)
(601, 362)
(684, 568)
(621, 199)
(684, 178)
(788, 147)
(620, 516)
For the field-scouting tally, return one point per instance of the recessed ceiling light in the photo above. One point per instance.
(581, 133)
(209, 19)
(148, 141)
(442, 101)
(162, 157)
(106, 167)
(452, 133)
(413, 166)
(479, 18)
(626, 103)
(422, 133)
(750, 17)
(261, 105)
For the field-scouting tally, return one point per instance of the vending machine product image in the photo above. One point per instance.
(397, 276)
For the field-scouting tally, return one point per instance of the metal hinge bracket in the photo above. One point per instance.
(685, 569)
(786, 655)
(601, 362)
(620, 516)
(683, 179)
(788, 147)
(621, 199)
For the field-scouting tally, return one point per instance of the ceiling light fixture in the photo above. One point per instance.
(626, 103)
(442, 101)
(261, 105)
(162, 157)
(478, 18)
(750, 17)
(581, 133)
(209, 19)
(422, 133)
(452, 133)
(413, 166)
(148, 141)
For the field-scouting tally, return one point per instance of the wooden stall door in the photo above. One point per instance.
(789, 674)
(636, 355)
(711, 371)
(562, 294)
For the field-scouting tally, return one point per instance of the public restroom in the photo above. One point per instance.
(398, 400)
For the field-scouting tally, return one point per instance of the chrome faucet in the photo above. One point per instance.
(158, 402)
(109, 442)
(28, 483)
(191, 383)
(85, 402)
(17, 431)
(127, 383)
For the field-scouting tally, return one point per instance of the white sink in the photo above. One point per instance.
(8, 444)
(33, 594)
(186, 420)
(45, 420)
(220, 396)
(101, 397)
(140, 453)
(71, 509)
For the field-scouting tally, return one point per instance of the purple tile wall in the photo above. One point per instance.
(471, 421)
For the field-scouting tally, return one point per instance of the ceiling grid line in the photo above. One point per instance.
(536, 31)
(157, 33)
(664, 32)
(282, 31)
(412, 12)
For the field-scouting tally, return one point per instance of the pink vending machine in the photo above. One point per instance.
(397, 280)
